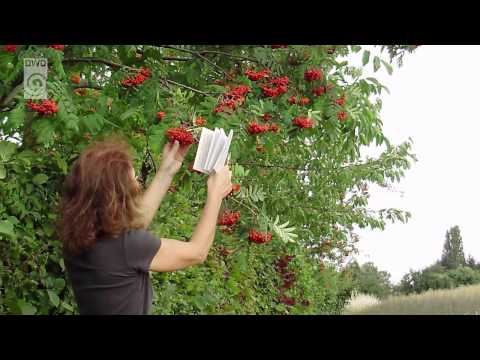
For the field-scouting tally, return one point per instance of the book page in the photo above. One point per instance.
(202, 150)
(213, 141)
(224, 153)
(216, 149)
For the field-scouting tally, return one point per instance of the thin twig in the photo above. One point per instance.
(248, 207)
(197, 54)
(101, 61)
(187, 87)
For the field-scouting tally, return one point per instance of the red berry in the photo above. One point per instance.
(45, 108)
(160, 115)
(304, 101)
(292, 100)
(10, 48)
(268, 91)
(256, 128)
(340, 101)
(286, 300)
(320, 90)
(303, 122)
(274, 128)
(57, 47)
(267, 117)
(258, 237)
(229, 218)
(200, 121)
(75, 78)
(236, 187)
(280, 81)
(342, 115)
(182, 135)
(138, 79)
(313, 74)
(257, 75)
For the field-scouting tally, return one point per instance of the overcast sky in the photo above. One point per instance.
(432, 99)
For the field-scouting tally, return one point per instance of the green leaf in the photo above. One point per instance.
(356, 48)
(366, 57)
(26, 308)
(59, 284)
(67, 307)
(376, 64)
(44, 130)
(388, 67)
(40, 179)
(130, 112)
(62, 165)
(71, 122)
(7, 149)
(6, 227)
(3, 172)
(93, 122)
(54, 299)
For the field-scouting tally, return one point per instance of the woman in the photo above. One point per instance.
(103, 225)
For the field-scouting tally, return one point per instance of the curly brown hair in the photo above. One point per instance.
(100, 196)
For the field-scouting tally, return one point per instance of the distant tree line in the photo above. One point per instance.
(450, 271)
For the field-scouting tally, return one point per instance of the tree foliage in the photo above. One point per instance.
(453, 256)
(305, 185)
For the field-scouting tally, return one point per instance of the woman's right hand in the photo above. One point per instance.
(220, 183)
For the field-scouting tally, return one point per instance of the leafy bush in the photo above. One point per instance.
(305, 185)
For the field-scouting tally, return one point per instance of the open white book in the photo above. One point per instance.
(212, 150)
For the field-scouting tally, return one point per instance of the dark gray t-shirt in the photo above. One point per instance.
(113, 276)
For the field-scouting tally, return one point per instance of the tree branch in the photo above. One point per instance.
(197, 54)
(101, 61)
(187, 87)
(10, 96)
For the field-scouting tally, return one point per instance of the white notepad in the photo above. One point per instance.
(212, 150)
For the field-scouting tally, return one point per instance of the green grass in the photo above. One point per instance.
(459, 301)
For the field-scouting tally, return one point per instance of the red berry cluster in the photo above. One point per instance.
(275, 86)
(342, 115)
(10, 48)
(256, 128)
(75, 79)
(258, 237)
(57, 47)
(199, 121)
(274, 127)
(267, 117)
(286, 300)
(319, 91)
(303, 122)
(288, 278)
(229, 218)
(225, 252)
(302, 101)
(232, 99)
(257, 75)
(138, 79)
(235, 187)
(45, 108)
(279, 46)
(160, 115)
(313, 74)
(340, 101)
(180, 134)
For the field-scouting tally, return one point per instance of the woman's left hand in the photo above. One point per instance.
(172, 157)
